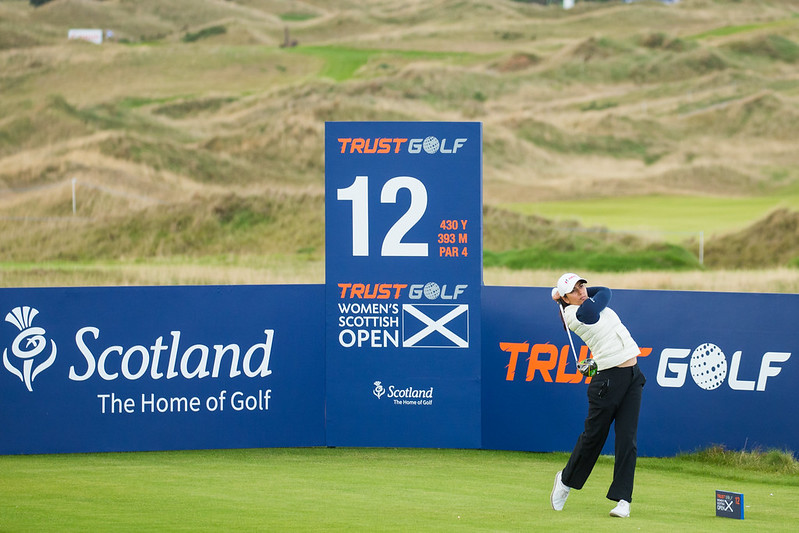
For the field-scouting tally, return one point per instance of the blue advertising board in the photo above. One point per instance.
(721, 369)
(402, 346)
(403, 230)
(159, 368)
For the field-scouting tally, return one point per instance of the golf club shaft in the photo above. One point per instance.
(568, 332)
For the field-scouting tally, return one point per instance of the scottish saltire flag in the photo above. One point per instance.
(435, 325)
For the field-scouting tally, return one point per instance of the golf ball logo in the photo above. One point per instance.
(431, 145)
(432, 290)
(28, 348)
(708, 366)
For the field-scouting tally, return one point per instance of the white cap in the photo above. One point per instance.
(567, 282)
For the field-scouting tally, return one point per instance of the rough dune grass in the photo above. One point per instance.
(769, 461)
(598, 102)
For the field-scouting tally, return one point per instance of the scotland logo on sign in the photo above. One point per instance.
(28, 348)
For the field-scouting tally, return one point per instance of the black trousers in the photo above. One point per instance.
(614, 395)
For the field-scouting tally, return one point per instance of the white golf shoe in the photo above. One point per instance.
(559, 493)
(622, 509)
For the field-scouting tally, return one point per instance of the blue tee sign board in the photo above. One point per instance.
(730, 504)
(403, 237)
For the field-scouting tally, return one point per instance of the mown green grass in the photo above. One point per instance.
(725, 31)
(602, 258)
(324, 489)
(674, 218)
(296, 17)
(341, 62)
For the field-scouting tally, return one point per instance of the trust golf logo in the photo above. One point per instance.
(379, 391)
(29, 348)
(394, 145)
(709, 369)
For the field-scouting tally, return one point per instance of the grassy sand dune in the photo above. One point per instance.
(623, 116)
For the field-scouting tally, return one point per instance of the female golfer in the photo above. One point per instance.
(614, 394)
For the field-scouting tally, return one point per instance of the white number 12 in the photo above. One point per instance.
(358, 194)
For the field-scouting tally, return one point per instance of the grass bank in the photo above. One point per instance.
(287, 270)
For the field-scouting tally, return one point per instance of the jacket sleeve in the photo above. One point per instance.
(598, 299)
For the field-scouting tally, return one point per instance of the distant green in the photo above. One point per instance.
(296, 17)
(673, 218)
(743, 28)
(341, 63)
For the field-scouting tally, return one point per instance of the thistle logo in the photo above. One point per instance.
(29, 344)
(407, 396)
(404, 397)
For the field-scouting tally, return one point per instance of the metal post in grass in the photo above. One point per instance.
(74, 180)
(701, 248)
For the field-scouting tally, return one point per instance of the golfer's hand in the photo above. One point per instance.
(555, 294)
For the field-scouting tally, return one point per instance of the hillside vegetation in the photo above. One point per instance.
(194, 133)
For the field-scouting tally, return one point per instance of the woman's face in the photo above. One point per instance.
(578, 295)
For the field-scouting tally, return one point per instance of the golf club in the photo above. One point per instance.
(568, 332)
(588, 367)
